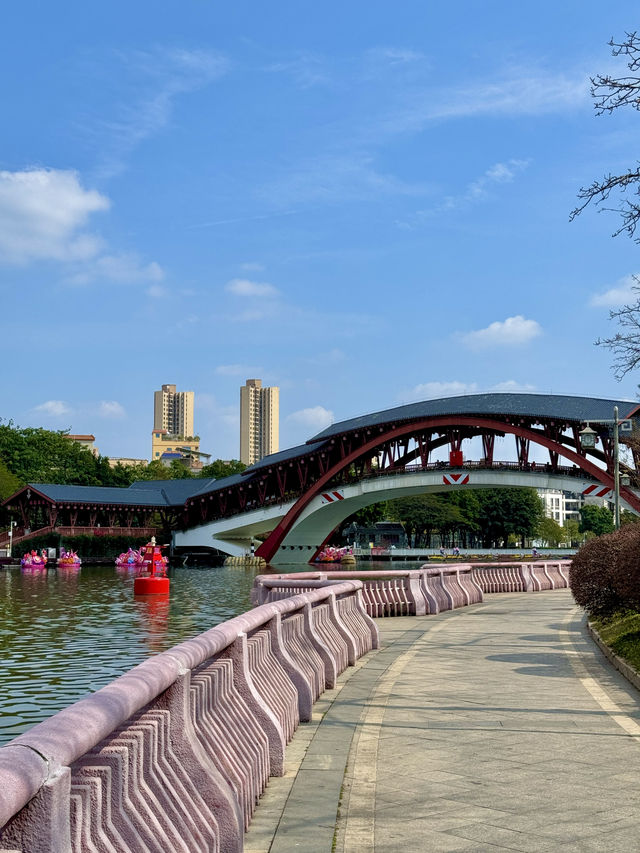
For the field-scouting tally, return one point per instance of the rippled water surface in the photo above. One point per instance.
(64, 633)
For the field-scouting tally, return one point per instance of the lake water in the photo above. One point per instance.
(66, 633)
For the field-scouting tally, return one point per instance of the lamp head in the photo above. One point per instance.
(588, 437)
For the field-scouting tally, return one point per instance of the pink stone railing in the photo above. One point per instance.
(522, 577)
(428, 590)
(175, 754)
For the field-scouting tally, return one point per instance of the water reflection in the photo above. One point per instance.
(68, 632)
(65, 633)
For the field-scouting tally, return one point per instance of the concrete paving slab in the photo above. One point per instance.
(497, 727)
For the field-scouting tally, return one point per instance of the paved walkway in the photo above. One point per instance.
(496, 727)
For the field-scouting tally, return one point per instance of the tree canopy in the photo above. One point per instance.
(37, 455)
(596, 519)
(489, 517)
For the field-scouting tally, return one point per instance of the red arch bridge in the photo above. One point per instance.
(297, 497)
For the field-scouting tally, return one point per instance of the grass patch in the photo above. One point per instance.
(621, 632)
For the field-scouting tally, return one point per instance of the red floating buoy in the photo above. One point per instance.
(150, 584)
(153, 572)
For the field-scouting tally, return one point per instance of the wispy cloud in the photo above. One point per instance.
(110, 409)
(238, 370)
(314, 419)
(125, 268)
(517, 91)
(246, 287)
(455, 388)
(306, 69)
(53, 408)
(625, 291)
(476, 191)
(331, 178)
(514, 331)
(157, 78)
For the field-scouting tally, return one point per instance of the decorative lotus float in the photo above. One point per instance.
(69, 559)
(131, 559)
(331, 554)
(33, 560)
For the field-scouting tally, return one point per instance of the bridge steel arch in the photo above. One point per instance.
(478, 424)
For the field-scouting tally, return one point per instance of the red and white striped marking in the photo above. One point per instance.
(455, 479)
(595, 491)
(331, 497)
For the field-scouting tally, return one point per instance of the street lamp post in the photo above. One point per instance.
(588, 438)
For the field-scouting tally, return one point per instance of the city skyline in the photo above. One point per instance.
(363, 215)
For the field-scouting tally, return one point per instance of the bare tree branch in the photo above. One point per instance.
(610, 93)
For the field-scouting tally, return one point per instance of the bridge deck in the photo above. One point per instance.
(501, 727)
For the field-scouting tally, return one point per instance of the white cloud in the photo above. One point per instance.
(252, 266)
(110, 409)
(237, 370)
(433, 390)
(512, 385)
(514, 331)
(455, 388)
(626, 290)
(124, 268)
(499, 173)
(42, 216)
(53, 408)
(314, 419)
(245, 287)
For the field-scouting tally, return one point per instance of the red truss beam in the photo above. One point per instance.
(553, 445)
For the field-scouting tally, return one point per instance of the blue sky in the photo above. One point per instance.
(363, 203)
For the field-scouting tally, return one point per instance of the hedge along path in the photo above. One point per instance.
(604, 700)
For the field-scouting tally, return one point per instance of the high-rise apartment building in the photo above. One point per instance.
(173, 411)
(259, 421)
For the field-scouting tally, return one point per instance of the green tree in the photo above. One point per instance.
(218, 469)
(571, 532)
(38, 455)
(508, 512)
(550, 531)
(596, 519)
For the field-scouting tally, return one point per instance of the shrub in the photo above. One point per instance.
(604, 572)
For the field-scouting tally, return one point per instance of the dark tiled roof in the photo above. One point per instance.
(283, 456)
(101, 495)
(558, 406)
(176, 491)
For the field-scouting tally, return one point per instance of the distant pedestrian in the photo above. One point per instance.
(456, 551)
(443, 553)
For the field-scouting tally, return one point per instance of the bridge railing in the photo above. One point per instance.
(174, 754)
(428, 590)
